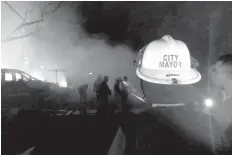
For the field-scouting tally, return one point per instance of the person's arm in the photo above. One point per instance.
(121, 86)
(108, 89)
(94, 87)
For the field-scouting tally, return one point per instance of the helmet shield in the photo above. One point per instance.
(167, 95)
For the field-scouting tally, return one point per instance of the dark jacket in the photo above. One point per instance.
(104, 89)
(82, 89)
(117, 88)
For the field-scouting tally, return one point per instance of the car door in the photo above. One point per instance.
(22, 89)
(24, 92)
(8, 87)
(9, 93)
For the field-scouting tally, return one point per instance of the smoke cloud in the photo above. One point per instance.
(61, 43)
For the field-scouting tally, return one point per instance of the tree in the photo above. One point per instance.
(23, 27)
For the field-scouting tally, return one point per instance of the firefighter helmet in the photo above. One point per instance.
(167, 61)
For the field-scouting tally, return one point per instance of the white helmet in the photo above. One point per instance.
(166, 61)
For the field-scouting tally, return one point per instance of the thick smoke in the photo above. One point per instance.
(62, 43)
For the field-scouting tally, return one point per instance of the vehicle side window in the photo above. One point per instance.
(24, 78)
(18, 76)
(8, 77)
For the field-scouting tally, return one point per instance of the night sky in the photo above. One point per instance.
(130, 21)
(114, 19)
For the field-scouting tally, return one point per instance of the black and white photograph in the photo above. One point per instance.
(116, 78)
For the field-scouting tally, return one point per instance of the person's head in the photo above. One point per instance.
(86, 86)
(118, 80)
(125, 78)
(165, 69)
(221, 73)
(99, 78)
(106, 78)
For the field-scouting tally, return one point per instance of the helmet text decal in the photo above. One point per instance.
(170, 61)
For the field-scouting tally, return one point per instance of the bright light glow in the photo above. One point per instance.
(41, 67)
(90, 73)
(63, 83)
(26, 62)
(8, 77)
(38, 75)
(208, 102)
(18, 76)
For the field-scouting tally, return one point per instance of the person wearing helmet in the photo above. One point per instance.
(167, 74)
(221, 78)
(104, 93)
(117, 92)
(83, 93)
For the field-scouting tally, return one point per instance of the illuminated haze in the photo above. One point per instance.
(61, 43)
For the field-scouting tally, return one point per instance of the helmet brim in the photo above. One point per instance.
(184, 77)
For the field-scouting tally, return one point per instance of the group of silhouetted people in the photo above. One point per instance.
(102, 91)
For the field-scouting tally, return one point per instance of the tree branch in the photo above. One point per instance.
(34, 22)
(19, 37)
(58, 6)
(14, 10)
(30, 23)
(27, 24)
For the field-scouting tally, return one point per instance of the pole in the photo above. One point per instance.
(56, 72)
(56, 75)
(211, 132)
(214, 20)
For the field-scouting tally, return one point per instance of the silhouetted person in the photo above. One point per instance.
(124, 92)
(104, 92)
(117, 86)
(96, 87)
(117, 91)
(221, 77)
(83, 93)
